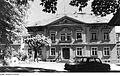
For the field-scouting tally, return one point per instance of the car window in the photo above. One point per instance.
(97, 60)
(84, 60)
(78, 60)
(91, 60)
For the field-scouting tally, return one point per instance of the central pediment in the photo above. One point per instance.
(66, 20)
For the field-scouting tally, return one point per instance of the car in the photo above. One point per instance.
(86, 64)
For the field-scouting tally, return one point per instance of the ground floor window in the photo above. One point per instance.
(94, 51)
(52, 51)
(106, 51)
(79, 51)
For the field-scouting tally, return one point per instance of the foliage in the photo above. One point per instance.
(99, 7)
(104, 7)
(37, 43)
(79, 3)
(49, 5)
(12, 15)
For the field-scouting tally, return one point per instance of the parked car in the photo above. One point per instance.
(86, 64)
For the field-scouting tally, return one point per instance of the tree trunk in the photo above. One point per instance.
(35, 53)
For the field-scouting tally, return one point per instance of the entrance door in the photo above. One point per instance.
(66, 53)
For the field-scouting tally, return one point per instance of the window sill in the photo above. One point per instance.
(94, 56)
(93, 40)
(65, 41)
(53, 41)
(79, 40)
(105, 40)
(106, 55)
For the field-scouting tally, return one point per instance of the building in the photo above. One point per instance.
(116, 21)
(72, 36)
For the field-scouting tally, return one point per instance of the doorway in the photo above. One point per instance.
(66, 53)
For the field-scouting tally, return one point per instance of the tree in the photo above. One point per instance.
(37, 43)
(99, 7)
(12, 16)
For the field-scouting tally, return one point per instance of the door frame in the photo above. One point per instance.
(62, 52)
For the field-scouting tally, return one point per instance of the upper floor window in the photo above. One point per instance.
(52, 51)
(79, 51)
(94, 51)
(118, 51)
(118, 37)
(52, 36)
(65, 36)
(79, 35)
(106, 36)
(68, 36)
(106, 51)
(94, 36)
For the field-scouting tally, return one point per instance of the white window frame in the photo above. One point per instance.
(66, 34)
(106, 36)
(94, 51)
(94, 37)
(61, 36)
(118, 51)
(79, 51)
(51, 51)
(106, 51)
(76, 35)
(53, 33)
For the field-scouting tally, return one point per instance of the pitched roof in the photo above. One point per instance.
(79, 17)
(116, 19)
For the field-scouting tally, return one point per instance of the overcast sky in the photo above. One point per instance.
(36, 14)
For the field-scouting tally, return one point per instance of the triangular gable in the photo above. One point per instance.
(66, 20)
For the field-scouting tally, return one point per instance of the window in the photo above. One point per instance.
(52, 51)
(118, 51)
(94, 51)
(79, 51)
(52, 36)
(65, 36)
(118, 37)
(94, 36)
(68, 36)
(106, 51)
(79, 35)
(106, 36)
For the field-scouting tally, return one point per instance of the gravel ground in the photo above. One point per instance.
(54, 65)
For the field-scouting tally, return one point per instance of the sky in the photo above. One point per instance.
(35, 13)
